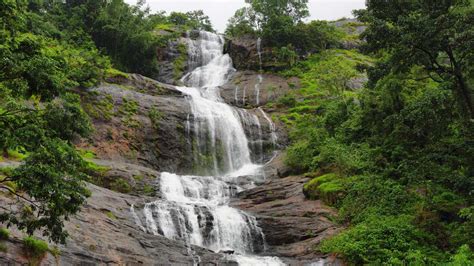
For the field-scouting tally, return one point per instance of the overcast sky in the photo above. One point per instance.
(221, 10)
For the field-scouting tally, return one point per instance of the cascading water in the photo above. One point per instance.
(194, 209)
(259, 77)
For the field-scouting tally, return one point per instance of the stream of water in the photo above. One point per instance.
(195, 208)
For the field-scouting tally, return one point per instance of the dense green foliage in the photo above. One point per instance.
(279, 24)
(129, 34)
(39, 117)
(398, 151)
(435, 35)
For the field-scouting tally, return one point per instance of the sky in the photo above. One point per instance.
(220, 11)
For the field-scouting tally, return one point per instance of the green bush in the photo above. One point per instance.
(382, 239)
(35, 248)
(4, 233)
(464, 256)
(401, 145)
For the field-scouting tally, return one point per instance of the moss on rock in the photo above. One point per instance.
(329, 188)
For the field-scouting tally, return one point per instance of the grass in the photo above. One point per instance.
(4, 233)
(113, 73)
(86, 154)
(138, 177)
(128, 109)
(17, 155)
(148, 190)
(326, 187)
(180, 62)
(111, 215)
(99, 107)
(35, 248)
(155, 117)
(99, 169)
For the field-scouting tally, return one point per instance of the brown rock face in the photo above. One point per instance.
(105, 233)
(139, 121)
(244, 54)
(292, 225)
(248, 89)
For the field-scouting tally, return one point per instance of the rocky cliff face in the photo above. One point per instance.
(244, 54)
(249, 89)
(141, 129)
(141, 121)
(105, 233)
(293, 226)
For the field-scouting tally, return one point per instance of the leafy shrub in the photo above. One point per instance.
(382, 239)
(35, 248)
(463, 256)
(4, 233)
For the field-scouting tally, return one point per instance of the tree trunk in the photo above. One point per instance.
(462, 86)
(465, 92)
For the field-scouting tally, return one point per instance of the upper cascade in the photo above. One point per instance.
(210, 66)
(219, 139)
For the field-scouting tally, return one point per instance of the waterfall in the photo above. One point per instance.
(195, 208)
(259, 51)
(259, 77)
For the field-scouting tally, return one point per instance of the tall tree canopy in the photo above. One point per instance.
(268, 10)
(438, 35)
(271, 18)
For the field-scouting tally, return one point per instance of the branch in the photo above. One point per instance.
(23, 110)
(6, 179)
(20, 196)
(436, 66)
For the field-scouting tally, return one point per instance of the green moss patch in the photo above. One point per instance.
(328, 187)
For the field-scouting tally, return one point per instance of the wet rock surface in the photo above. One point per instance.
(292, 225)
(105, 233)
(244, 54)
(249, 89)
(141, 121)
(168, 57)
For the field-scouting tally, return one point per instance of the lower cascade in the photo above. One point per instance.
(195, 208)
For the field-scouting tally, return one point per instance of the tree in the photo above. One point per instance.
(199, 21)
(242, 23)
(273, 20)
(433, 34)
(194, 20)
(53, 178)
(39, 117)
(270, 9)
